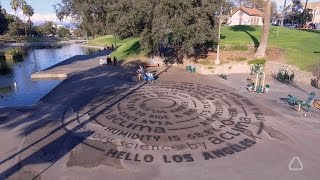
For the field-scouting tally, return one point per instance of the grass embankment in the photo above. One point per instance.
(302, 47)
(128, 47)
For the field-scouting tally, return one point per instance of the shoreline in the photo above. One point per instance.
(45, 43)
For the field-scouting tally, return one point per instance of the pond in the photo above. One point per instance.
(18, 89)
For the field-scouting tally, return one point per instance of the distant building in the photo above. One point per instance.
(60, 26)
(246, 16)
(315, 7)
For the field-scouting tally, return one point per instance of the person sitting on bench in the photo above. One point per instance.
(149, 76)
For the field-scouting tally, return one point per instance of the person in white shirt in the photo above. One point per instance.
(149, 76)
(140, 72)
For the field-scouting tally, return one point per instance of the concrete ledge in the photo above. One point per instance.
(40, 75)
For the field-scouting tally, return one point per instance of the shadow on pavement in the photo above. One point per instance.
(76, 92)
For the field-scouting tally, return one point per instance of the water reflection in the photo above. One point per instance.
(29, 91)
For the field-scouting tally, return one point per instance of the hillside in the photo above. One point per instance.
(302, 48)
(125, 47)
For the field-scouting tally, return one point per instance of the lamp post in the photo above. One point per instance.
(217, 61)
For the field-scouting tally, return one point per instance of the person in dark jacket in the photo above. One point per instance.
(114, 60)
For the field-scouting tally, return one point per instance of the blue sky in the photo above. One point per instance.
(43, 10)
(39, 6)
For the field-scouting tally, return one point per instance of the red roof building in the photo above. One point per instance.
(246, 16)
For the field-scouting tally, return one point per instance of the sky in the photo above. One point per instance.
(43, 11)
(281, 2)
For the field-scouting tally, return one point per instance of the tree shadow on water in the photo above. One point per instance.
(247, 30)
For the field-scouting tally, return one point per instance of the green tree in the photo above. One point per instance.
(16, 28)
(15, 4)
(3, 21)
(63, 32)
(189, 24)
(28, 11)
(48, 28)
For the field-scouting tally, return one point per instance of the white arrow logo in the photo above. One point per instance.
(295, 164)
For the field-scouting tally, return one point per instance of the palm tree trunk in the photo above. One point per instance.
(25, 25)
(261, 51)
(29, 25)
(283, 12)
(304, 13)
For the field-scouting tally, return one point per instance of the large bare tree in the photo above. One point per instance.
(261, 51)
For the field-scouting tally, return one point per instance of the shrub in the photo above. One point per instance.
(205, 62)
(235, 47)
(257, 61)
(237, 59)
(14, 54)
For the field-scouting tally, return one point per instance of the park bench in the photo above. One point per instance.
(305, 105)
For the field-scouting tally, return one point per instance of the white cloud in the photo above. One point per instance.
(39, 18)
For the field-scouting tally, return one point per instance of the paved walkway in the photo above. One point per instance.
(97, 124)
(71, 66)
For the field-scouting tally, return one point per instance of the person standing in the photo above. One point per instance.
(140, 73)
(114, 60)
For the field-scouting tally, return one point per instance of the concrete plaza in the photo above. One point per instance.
(98, 124)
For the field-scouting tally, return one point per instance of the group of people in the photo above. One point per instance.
(109, 60)
(148, 76)
(110, 48)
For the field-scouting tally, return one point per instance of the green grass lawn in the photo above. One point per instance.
(302, 48)
(126, 47)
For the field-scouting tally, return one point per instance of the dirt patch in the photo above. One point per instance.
(276, 55)
(272, 54)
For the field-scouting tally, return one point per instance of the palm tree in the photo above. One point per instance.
(15, 5)
(24, 7)
(283, 12)
(261, 51)
(29, 12)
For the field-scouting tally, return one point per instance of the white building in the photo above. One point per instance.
(246, 16)
(315, 7)
(61, 26)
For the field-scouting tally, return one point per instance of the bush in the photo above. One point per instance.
(257, 61)
(235, 47)
(237, 59)
(14, 54)
(205, 62)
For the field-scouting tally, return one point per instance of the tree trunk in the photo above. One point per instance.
(29, 25)
(304, 13)
(261, 51)
(25, 26)
(283, 12)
